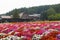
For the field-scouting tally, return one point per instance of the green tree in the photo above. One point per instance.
(51, 11)
(44, 16)
(48, 15)
(16, 14)
(54, 17)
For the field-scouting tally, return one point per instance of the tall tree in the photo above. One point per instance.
(16, 14)
(51, 11)
(44, 16)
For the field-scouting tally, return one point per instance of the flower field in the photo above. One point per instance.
(31, 30)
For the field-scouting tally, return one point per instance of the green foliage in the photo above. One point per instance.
(44, 16)
(56, 8)
(16, 14)
(31, 10)
(54, 17)
(51, 11)
(48, 12)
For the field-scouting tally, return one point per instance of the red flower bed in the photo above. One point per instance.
(28, 29)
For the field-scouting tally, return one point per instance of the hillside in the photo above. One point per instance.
(48, 12)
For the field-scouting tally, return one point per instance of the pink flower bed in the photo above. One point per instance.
(28, 29)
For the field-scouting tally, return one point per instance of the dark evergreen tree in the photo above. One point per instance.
(16, 14)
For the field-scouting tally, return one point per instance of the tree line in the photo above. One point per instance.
(48, 12)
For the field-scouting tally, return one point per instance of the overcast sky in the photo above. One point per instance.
(8, 5)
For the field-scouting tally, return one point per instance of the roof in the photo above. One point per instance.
(6, 17)
(35, 15)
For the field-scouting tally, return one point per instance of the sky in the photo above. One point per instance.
(8, 5)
